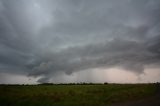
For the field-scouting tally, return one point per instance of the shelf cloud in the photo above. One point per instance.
(49, 38)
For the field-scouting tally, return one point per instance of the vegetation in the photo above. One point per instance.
(73, 94)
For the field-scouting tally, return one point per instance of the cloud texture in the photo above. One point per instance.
(43, 38)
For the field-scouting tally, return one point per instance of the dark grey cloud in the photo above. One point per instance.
(41, 38)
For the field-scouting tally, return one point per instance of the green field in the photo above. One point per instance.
(74, 95)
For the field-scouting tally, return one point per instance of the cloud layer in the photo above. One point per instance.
(45, 38)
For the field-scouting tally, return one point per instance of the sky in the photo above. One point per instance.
(64, 41)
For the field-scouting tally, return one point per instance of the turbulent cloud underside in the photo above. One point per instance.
(48, 38)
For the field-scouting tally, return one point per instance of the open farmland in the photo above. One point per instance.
(78, 95)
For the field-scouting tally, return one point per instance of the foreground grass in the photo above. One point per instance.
(73, 95)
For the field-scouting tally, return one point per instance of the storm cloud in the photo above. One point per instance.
(45, 38)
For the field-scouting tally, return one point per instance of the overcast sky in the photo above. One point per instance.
(79, 41)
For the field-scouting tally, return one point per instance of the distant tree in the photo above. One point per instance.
(46, 84)
(106, 83)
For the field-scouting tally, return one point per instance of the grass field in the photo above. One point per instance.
(74, 95)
